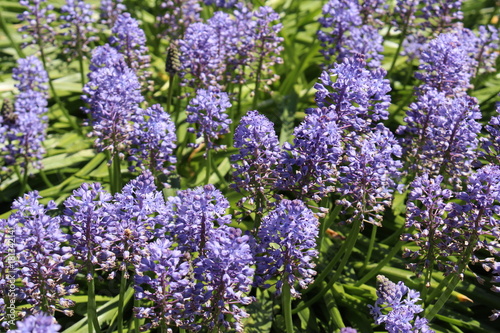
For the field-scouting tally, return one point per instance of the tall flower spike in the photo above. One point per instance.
(154, 140)
(357, 98)
(287, 246)
(113, 94)
(26, 129)
(40, 323)
(207, 111)
(130, 40)
(109, 11)
(399, 303)
(226, 273)
(164, 277)
(86, 215)
(369, 174)
(80, 25)
(441, 133)
(44, 260)
(259, 154)
(38, 23)
(176, 16)
(447, 64)
(352, 25)
(200, 60)
(308, 168)
(194, 213)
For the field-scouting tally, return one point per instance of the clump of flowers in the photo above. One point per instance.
(39, 18)
(109, 11)
(40, 323)
(207, 111)
(396, 307)
(287, 241)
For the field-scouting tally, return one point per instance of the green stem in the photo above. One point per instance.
(123, 284)
(24, 181)
(219, 175)
(370, 248)
(403, 35)
(332, 215)
(209, 163)
(257, 84)
(93, 323)
(115, 174)
(170, 93)
(46, 180)
(286, 299)
(437, 290)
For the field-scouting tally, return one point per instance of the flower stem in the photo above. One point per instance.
(286, 299)
(123, 284)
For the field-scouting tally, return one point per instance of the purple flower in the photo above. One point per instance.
(447, 64)
(104, 56)
(309, 166)
(226, 273)
(25, 129)
(491, 143)
(80, 25)
(221, 3)
(441, 13)
(164, 277)
(38, 23)
(495, 315)
(357, 98)
(130, 40)
(207, 111)
(441, 134)
(399, 303)
(39, 323)
(287, 246)
(259, 155)
(113, 94)
(31, 75)
(368, 174)
(133, 215)
(353, 30)
(487, 48)
(43, 260)
(194, 213)
(110, 10)
(348, 330)
(86, 214)
(154, 140)
(200, 59)
(176, 16)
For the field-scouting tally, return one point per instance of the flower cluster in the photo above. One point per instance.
(130, 40)
(287, 246)
(353, 31)
(109, 11)
(368, 174)
(400, 302)
(80, 25)
(154, 140)
(176, 17)
(207, 111)
(25, 126)
(38, 19)
(356, 98)
(40, 323)
(46, 270)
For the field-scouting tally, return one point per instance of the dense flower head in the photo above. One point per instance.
(441, 13)
(399, 303)
(226, 273)
(113, 94)
(200, 60)
(259, 153)
(354, 29)
(38, 19)
(287, 246)
(109, 11)
(85, 213)
(43, 260)
(133, 215)
(80, 25)
(441, 133)
(194, 213)
(221, 3)
(207, 111)
(130, 40)
(154, 140)
(164, 277)
(426, 208)
(39, 323)
(369, 173)
(309, 166)
(176, 16)
(104, 56)
(31, 75)
(446, 64)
